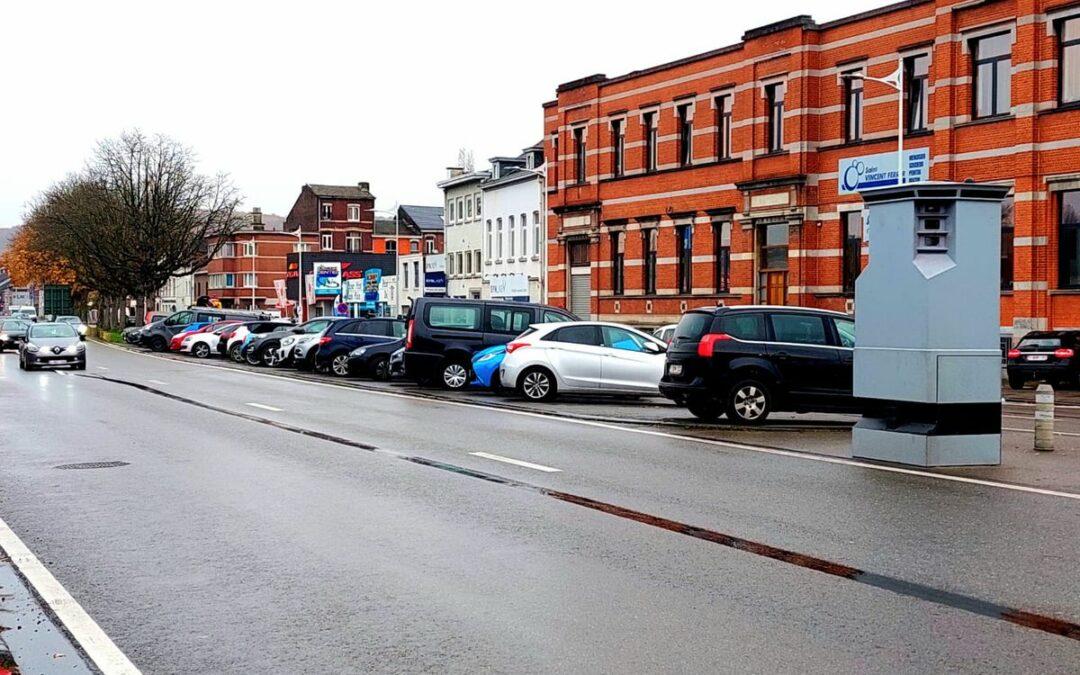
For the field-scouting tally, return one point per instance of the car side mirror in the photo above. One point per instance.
(654, 348)
(296, 330)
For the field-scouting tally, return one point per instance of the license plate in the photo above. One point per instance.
(675, 369)
(1037, 357)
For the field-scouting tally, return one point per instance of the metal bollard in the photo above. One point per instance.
(1044, 418)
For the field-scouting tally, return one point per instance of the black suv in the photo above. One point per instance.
(747, 362)
(341, 338)
(1044, 355)
(442, 334)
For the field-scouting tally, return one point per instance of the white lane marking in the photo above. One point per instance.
(264, 407)
(60, 372)
(643, 432)
(159, 382)
(102, 368)
(516, 462)
(78, 624)
(1031, 431)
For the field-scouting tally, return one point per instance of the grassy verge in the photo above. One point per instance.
(105, 335)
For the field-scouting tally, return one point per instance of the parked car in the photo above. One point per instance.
(232, 342)
(485, 366)
(201, 344)
(749, 361)
(374, 360)
(13, 333)
(262, 348)
(157, 335)
(342, 337)
(178, 339)
(397, 361)
(1044, 355)
(52, 344)
(588, 357)
(298, 351)
(442, 334)
(665, 333)
(76, 323)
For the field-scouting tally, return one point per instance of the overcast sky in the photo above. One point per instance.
(279, 94)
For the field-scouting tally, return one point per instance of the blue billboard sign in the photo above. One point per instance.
(872, 171)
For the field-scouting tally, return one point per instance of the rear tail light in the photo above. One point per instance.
(1064, 353)
(408, 334)
(1014, 353)
(324, 339)
(514, 346)
(708, 343)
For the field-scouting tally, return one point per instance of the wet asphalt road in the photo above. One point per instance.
(235, 542)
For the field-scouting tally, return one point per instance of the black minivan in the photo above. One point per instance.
(749, 361)
(442, 334)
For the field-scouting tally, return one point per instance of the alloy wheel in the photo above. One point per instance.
(750, 402)
(340, 365)
(536, 385)
(270, 358)
(455, 375)
(201, 350)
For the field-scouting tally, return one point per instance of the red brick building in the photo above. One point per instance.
(342, 215)
(242, 273)
(718, 177)
(417, 229)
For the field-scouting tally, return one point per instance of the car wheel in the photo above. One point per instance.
(705, 409)
(1016, 382)
(339, 365)
(455, 375)
(234, 353)
(749, 402)
(200, 350)
(158, 344)
(380, 368)
(269, 357)
(537, 384)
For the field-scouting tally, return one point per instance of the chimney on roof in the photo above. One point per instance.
(454, 171)
(256, 218)
(364, 186)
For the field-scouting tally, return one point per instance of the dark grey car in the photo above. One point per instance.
(12, 333)
(52, 344)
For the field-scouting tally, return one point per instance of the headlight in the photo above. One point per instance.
(288, 341)
(74, 349)
(3, 336)
(82, 329)
(32, 348)
(358, 352)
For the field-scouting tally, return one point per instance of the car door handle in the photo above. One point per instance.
(782, 356)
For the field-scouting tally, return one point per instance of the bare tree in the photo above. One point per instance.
(465, 159)
(138, 214)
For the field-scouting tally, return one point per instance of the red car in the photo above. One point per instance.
(178, 339)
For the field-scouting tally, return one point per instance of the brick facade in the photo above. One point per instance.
(342, 215)
(733, 188)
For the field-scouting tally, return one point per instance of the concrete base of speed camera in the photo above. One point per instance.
(921, 450)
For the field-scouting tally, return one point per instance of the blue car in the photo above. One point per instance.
(485, 366)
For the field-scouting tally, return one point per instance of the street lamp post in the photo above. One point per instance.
(896, 81)
(300, 273)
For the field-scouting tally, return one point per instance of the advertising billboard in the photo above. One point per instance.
(327, 278)
(871, 171)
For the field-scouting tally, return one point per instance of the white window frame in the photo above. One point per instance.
(323, 207)
(351, 237)
(354, 208)
(324, 238)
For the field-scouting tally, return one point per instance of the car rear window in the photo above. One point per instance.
(1038, 344)
(457, 317)
(744, 326)
(693, 325)
(13, 325)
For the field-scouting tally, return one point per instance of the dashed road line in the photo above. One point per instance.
(164, 384)
(516, 462)
(260, 406)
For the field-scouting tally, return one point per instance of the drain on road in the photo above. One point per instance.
(92, 465)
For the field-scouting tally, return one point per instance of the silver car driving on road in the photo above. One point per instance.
(52, 344)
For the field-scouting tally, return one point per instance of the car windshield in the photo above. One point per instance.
(1035, 344)
(13, 325)
(52, 330)
(69, 319)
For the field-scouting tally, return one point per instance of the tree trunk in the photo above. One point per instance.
(140, 310)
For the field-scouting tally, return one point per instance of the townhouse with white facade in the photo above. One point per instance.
(513, 241)
(464, 233)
